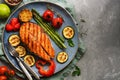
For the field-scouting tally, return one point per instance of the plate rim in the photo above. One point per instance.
(4, 51)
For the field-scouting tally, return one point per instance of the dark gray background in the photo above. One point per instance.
(101, 61)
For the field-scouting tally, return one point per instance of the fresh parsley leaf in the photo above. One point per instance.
(82, 20)
(77, 71)
(70, 42)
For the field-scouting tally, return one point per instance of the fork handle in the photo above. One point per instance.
(24, 69)
(30, 70)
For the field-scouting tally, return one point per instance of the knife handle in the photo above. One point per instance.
(31, 70)
(24, 69)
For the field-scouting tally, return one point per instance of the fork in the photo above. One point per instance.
(31, 70)
(28, 67)
(15, 54)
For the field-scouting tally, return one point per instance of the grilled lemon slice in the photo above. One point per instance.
(14, 40)
(21, 50)
(68, 32)
(29, 59)
(62, 57)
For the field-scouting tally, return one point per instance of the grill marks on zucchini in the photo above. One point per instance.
(29, 59)
(68, 32)
(62, 57)
(14, 40)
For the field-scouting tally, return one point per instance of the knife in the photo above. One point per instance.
(31, 70)
(14, 53)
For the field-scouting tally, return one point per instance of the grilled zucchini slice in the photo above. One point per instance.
(21, 50)
(62, 57)
(14, 40)
(68, 32)
(29, 59)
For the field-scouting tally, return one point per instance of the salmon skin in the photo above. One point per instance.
(38, 42)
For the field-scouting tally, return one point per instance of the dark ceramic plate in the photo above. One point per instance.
(41, 6)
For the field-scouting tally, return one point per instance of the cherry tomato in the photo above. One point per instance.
(48, 15)
(9, 27)
(14, 25)
(17, 27)
(11, 72)
(3, 69)
(3, 77)
(14, 21)
(57, 22)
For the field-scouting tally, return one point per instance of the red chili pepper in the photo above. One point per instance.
(51, 68)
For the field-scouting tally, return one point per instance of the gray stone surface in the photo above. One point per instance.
(101, 61)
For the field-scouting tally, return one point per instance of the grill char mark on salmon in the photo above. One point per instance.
(38, 42)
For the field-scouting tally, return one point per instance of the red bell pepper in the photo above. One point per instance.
(51, 68)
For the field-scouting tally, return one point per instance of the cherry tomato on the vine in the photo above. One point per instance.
(9, 27)
(11, 72)
(3, 69)
(17, 27)
(48, 15)
(14, 21)
(3, 77)
(14, 25)
(57, 22)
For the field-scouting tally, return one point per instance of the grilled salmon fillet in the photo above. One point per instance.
(38, 42)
